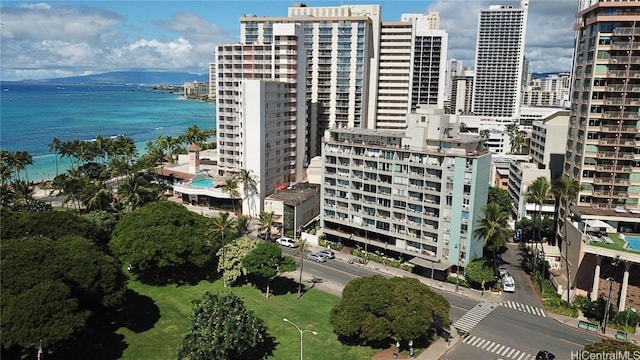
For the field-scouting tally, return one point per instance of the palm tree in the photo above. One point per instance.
(231, 186)
(135, 192)
(512, 130)
(493, 228)
(223, 227)
(70, 184)
(55, 146)
(303, 247)
(96, 195)
(565, 190)
(538, 192)
(22, 190)
(266, 221)
(485, 133)
(249, 183)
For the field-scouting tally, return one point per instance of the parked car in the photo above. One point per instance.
(272, 237)
(545, 355)
(508, 284)
(316, 257)
(327, 253)
(503, 270)
(288, 242)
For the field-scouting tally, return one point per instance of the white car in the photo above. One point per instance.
(327, 254)
(288, 242)
(508, 285)
(316, 257)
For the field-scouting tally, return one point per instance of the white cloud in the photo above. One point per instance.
(41, 40)
(46, 41)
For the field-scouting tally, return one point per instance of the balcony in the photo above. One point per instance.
(606, 155)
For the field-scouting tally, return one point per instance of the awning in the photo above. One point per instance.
(598, 224)
(440, 266)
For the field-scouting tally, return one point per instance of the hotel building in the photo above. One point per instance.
(603, 154)
(260, 121)
(413, 194)
(341, 50)
(412, 68)
(499, 60)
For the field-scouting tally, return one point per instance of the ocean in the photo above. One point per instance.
(31, 115)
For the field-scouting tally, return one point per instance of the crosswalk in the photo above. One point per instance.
(472, 317)
(503, 351)
(524, 308)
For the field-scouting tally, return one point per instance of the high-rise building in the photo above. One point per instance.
(461, 93)
(394, 79)
(499, 60)
(428, 60)
(259, 120)
(411, 69)
(413, 194)
(454, 68)
(341, 45)
(603, 148)
(552, 90)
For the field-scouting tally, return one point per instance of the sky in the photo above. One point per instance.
(41, 40)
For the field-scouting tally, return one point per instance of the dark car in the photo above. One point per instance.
(545, 355)
(264, 237)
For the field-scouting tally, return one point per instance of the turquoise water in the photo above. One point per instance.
(203, 183)
(633, 241)
(33, 114)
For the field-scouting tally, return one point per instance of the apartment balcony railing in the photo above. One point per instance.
(621, 169)
(610, 181)
(626, 31)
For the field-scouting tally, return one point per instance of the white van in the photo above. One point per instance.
(508, 285)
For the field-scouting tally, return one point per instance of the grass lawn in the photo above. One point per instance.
(618, 244)
(161, 340)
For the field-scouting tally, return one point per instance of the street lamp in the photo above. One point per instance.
(301, 333)
(606, 310)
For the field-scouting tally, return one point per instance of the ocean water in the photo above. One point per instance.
(32, 115)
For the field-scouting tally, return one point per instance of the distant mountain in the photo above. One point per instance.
(128, 77)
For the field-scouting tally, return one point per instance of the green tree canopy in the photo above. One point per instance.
(611, 346)
(222, 328)
(378, 310)
(493, 229)
(266, 261)
(51, 224)
(162, 236)
(50, 287)
(479, 271)
(500, 197)
(231, 264)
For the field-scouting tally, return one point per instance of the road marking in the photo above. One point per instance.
(498, 349)
(533, 310)
(472, 317)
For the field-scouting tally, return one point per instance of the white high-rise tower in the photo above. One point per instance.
(499, 60)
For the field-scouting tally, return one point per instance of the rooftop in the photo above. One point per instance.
(296, 194)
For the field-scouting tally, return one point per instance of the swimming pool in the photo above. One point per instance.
(633, 241)
(203, 183)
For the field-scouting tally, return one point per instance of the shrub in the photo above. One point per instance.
(461, 282)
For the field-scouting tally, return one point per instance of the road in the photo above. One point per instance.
(515, 329)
